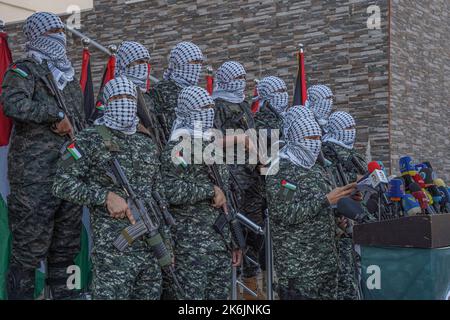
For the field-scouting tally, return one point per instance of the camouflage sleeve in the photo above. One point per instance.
(17, 98)
(308, 200)
(220, 117)
(71, 181)
(181, 186)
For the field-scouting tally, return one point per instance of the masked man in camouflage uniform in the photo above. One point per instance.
(233, 112)
(320, 102)
(202, 262)
(133, 62)
(273, 99)
(83, 179)
(43, 227)
(185, 66)
(300, 200)
(338, 147)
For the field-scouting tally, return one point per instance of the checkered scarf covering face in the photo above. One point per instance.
(51, 47)
(320, 101)
(274, 91)
(190, 111)
(337, 131)
(180, 70)
(128, 52)
(227, 87)
(298, 124)
(120, 114)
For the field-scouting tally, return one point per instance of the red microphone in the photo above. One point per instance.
(417, 193)
(372, 166)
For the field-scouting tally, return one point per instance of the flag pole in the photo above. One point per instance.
(86, 42)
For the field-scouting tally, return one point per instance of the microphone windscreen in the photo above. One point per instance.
(372, 166)
(396, 189)
(410, 205)
(349, 208)
(372, 206)
(439, 183)
(427, 175)
(422, 198)
(406, 164)
(418, 179)
(428, 164)
(414, 187)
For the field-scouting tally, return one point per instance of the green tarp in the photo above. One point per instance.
(405, 273)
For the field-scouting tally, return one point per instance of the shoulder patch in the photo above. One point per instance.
(74, 152)
(19, 71)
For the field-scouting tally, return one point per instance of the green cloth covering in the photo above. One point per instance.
(407, 273)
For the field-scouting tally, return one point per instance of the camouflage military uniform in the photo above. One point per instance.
(164, 97)
(348, 283)
(202, 263)
(305, 253)
(267, 119)
(247, 180)
(43, 226)
(134, 273)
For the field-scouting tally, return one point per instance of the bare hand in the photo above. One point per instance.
(357, 196)
(342, 223)
(219, 199)
(64, 127)
(336, 194)
(236, 258)
(118, 207)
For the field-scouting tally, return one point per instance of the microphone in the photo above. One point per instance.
(350, 209)
(396, 190)
(442, 187)
(371, 167)
(410, 205)
(407, 166)
(396, 193)
(436, 196)
(418, 193)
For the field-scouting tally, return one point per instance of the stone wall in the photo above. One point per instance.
(420, 82)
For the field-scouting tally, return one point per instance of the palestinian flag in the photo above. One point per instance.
(255, 103)
(300, 82)
(209, 80)
(86, 84)
(148, 76)
(73, 150)
(108, 75)
(5, 247)
(5, 61)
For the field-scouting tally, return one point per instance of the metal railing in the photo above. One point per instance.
(90, 42)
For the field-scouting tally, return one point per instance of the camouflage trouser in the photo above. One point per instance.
(131, 275)
(203, 274)
(347, 283)
(309, 288)
(43, 228)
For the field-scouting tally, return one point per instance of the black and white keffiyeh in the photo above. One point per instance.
(320, 101)
(274, 91)
(129, 52)
(120, 113)
(341, 130)
(298, 124)
(180, 70)
(227, 87)
(49, 47)
(191, 114)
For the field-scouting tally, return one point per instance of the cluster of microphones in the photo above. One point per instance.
(416, 191)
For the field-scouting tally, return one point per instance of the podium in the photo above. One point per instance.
(406, 258)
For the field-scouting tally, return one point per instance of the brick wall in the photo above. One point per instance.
(340, 50)
(420, 85)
